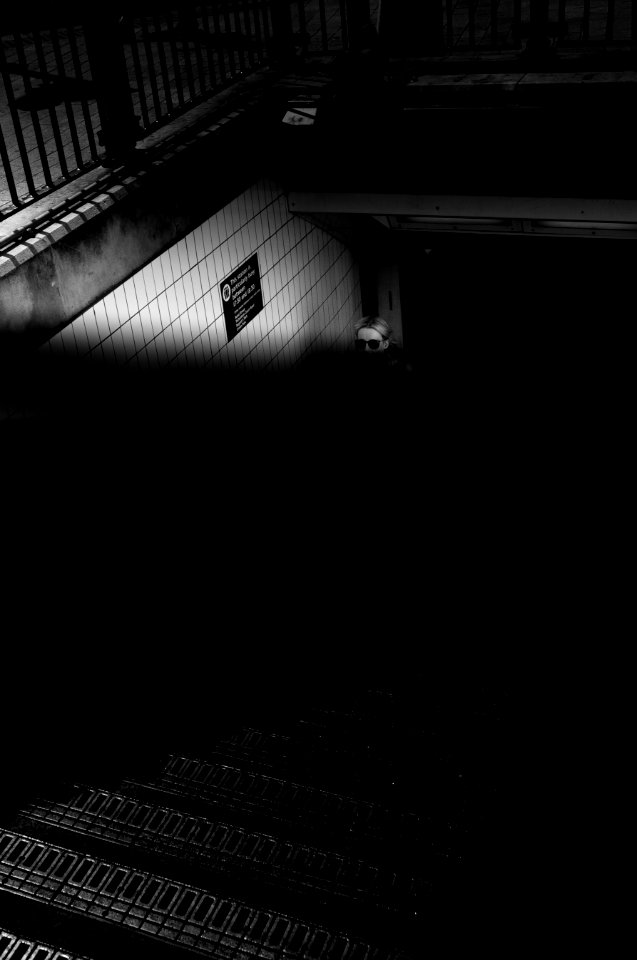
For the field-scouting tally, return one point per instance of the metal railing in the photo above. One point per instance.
(78, 88)
(471, 25)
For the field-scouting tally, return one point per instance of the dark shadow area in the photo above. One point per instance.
(454, 762)
(96, 418)
(531, 143)
(190, 552)
(196, 552)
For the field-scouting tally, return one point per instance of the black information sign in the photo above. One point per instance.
(241, 296)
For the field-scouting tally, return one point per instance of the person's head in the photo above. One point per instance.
(373, 336)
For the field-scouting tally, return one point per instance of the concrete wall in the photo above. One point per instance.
(170, 314)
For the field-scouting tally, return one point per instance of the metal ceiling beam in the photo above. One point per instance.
(576, 209)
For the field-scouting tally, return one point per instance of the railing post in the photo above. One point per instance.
(120, 128)
(412, 29)
(538, 45)
(358, 23)
(283, 49)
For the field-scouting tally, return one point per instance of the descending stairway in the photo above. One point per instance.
(335, 829)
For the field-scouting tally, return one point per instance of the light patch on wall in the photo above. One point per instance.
(171, 313)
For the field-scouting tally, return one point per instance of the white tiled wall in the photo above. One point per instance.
(170, 313)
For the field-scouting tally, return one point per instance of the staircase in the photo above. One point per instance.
(339, 827)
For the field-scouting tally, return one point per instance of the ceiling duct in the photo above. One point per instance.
(512, 216)
(515, 226)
